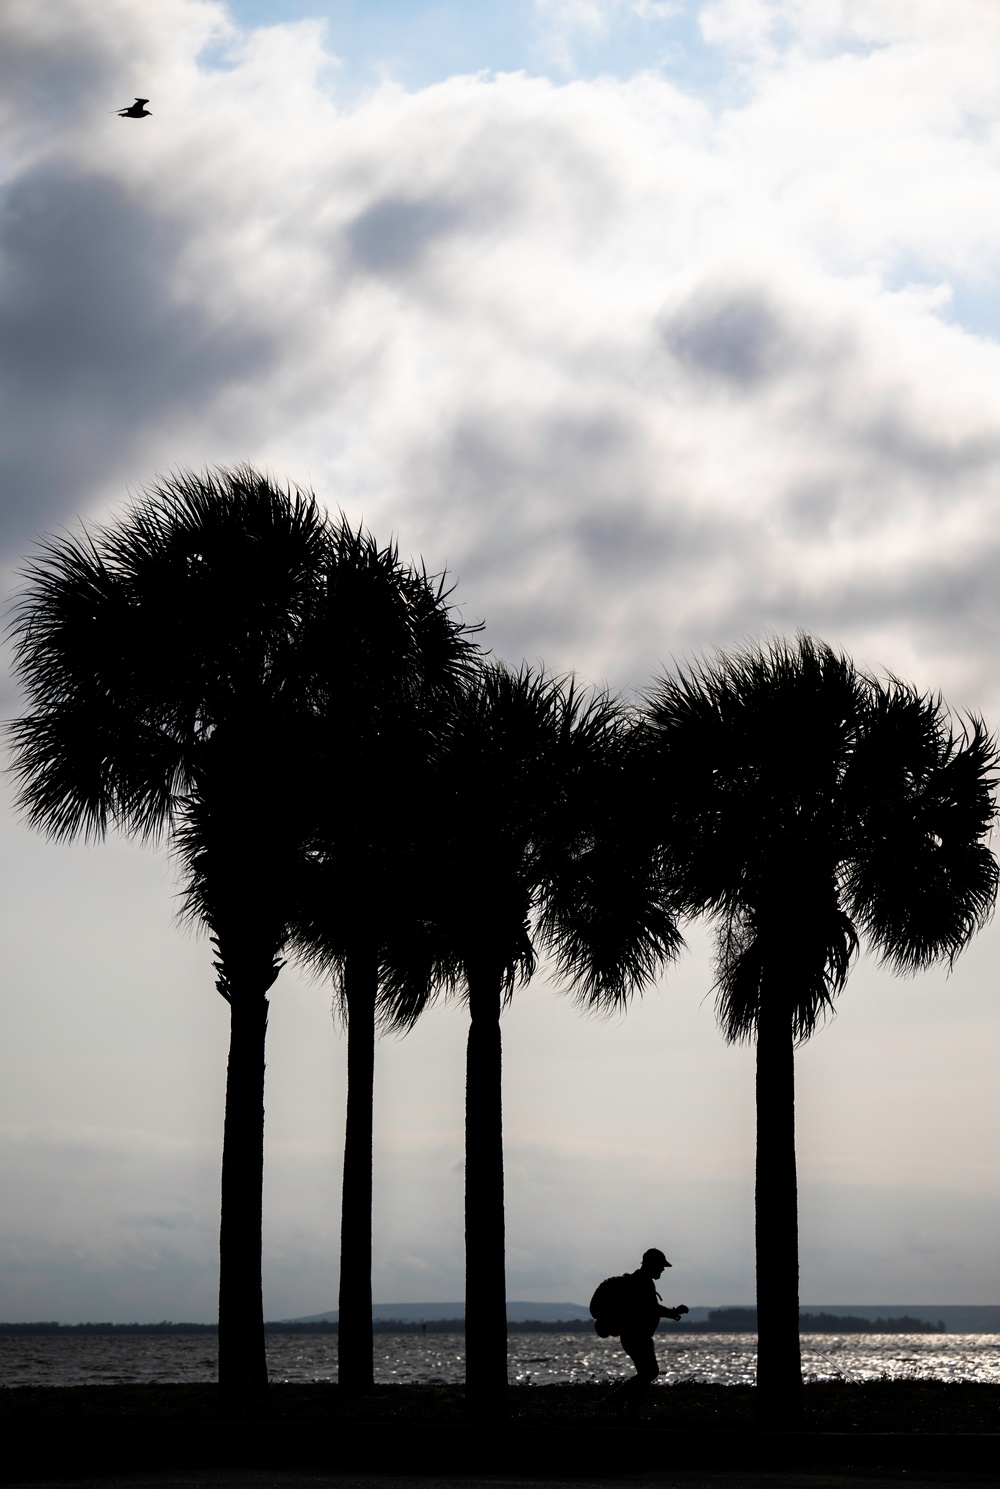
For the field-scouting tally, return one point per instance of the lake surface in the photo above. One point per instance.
(543, 1359)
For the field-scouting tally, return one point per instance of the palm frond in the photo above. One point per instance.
(922, 879)
(606, 913)
(801, 963)
(134, 641)
(801, 803)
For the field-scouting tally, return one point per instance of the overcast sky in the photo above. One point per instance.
(660, 325)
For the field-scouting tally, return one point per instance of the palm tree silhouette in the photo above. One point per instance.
(396, 655)
(201, 669)
(169, 693)
(802, 805)
(522, 801)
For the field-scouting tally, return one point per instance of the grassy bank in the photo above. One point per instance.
(911, 1406)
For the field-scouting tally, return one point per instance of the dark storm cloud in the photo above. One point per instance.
(95, 347)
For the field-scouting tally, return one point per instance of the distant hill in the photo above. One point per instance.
(420, 1313)
(958, 1318)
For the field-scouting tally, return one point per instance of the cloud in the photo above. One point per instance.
(818, 28)
(121, 1221)
(396, 232)
(645, 375)
(736, 337)
(96, 350)
(563, 24)
(60, 64)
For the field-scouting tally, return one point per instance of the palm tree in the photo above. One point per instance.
(195, 670)
(522, 793)
(162, 660)
(802, 805)
(401, 655)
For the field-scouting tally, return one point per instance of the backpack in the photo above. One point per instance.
(613, 1304)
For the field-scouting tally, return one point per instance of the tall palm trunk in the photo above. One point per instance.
(355, 1347)
(779, 1365)
(242, 1362)
(485, 1269)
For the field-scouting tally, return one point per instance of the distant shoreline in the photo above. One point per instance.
(721, 1321)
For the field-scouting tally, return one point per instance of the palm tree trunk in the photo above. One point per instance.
(355, 1346)
(485, 1270)
(779, 1366)
(242, 1361)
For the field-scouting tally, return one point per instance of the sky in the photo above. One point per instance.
(661, 326)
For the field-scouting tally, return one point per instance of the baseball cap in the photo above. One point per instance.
(654, 1254)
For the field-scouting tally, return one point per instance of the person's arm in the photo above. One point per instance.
(675, 1313)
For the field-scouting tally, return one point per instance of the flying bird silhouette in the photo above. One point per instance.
(136, 110)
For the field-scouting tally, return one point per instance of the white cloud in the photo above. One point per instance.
(769, 29)
(594, 17)
(565, 28)
(648, 377)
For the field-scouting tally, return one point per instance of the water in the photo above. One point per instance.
(542, 1359)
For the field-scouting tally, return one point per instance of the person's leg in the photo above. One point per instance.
(642, 1352)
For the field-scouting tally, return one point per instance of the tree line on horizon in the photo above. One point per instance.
(718, 1321)
(320, 739)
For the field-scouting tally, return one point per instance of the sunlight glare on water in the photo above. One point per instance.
(539, 1359)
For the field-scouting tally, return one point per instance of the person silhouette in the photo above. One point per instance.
(640, 1319)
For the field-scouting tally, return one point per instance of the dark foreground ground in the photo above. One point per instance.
(255, 1479)
(896, 1406)
(921, 1433)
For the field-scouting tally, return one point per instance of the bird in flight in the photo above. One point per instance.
(136, 110)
